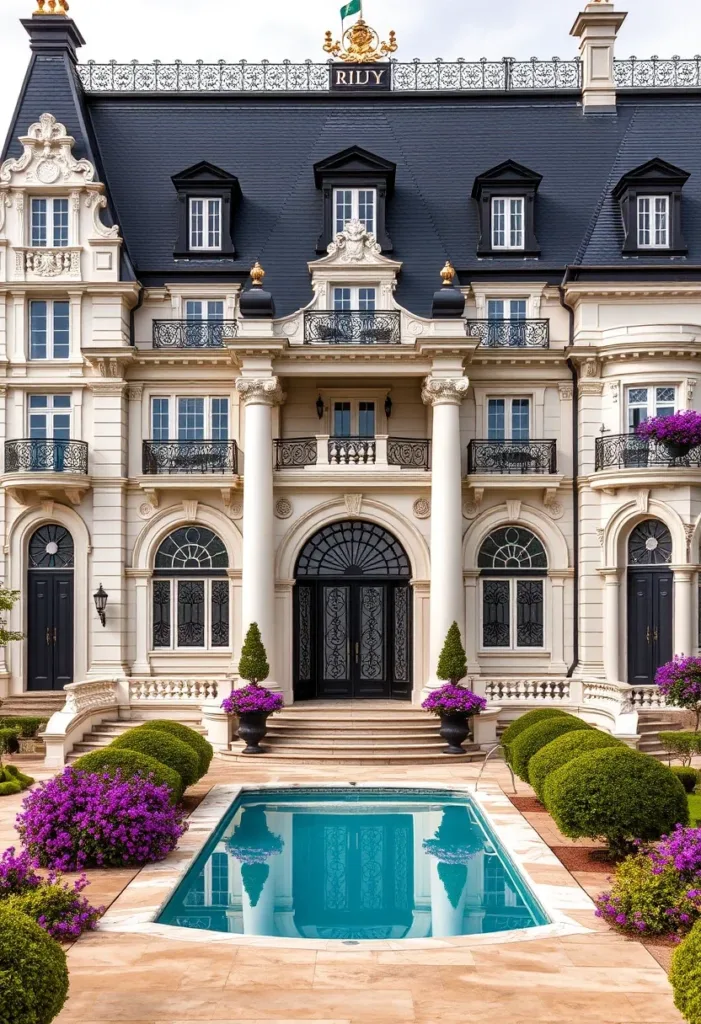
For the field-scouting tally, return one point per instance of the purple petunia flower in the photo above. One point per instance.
(253, 699)
(452, 699)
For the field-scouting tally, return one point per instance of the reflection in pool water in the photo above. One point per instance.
(380, 864)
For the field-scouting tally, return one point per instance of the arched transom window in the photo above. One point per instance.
(513, 563)
(650, 543)
(51, 547)
(191, 606)
(353, 548)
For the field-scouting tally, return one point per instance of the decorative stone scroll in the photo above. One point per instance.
(47, 158)
(444, 390)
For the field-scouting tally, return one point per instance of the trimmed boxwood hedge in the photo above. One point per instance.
(168, 750)
(685, 976)
(33, 972)
(525, 722)
(130, 763)
(538, 736)
(203, 749)
(689, 777)
(617, 794)
(562, 750)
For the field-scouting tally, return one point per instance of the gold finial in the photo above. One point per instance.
(360, 45)
(55, 7)
(257, 275)
(448, 273)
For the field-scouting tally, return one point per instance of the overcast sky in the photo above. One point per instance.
(232, 29)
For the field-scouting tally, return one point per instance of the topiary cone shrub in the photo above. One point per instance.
(253, 663)
(685, 976)
(538, 736)
(525, 722)
(616, 795)
(563, 750)
(452, 663)
(33, 972)
(167, 749)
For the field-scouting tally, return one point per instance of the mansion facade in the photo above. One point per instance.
(352, 364)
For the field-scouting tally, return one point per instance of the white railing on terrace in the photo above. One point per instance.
(506, 75)
(547, 691)
(187, 691)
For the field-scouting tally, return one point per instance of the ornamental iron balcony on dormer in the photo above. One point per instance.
(510, 333)
(193, 333)
(352, 328)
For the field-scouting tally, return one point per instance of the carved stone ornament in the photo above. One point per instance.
(600, 533)
(422, 508)
(590, 368)
(614, 391)
(439, 390)
(146, 510)
(354, 244)
(190, 510)
(52, 263)
(690, 388)
(235, 509)
(354, 503)
(555, 510)
(566, 392)
(5, 201)
(283, 508)
(47, 158)
(260, 391)
(513, 510)
(470, 510)
(96, 202)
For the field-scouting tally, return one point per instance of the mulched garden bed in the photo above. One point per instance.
(527, 804)
(582, 858)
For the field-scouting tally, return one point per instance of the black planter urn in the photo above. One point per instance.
(454, 730)
(678, 450)
(253, 726)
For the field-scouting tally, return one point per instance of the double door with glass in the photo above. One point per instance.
(196, 431)
(49, 431)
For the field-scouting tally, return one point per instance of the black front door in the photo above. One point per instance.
(50, 630)
(352, 640)
(650, 618)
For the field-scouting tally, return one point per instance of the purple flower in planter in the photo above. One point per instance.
(683, 428)
(452, 699)
(252, 698)
(680, 682)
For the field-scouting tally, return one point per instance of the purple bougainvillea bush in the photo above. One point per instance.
(452, 699)
(682, 428)
(680, 682)
(80, 819)
(253, 699)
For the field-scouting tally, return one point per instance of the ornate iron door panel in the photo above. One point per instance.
(336, 642)
(371, 645)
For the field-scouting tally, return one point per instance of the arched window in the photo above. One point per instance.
(650, 543)
(353, 548)
(51, 547)
(513, 563)
(191, 607)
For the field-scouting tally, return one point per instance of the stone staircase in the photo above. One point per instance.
(650, 725)
(102, 735)
(354, 732)
(33, 705)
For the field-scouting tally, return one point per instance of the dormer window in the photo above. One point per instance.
(653, 222)
(49, 223)
(347, 300)
(208, 198)
(505, 198)
(650, 200)
(205, 223)
(355, 185)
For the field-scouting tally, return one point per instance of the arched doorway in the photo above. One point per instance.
(352, 614)
(50, 615)
(650, 600)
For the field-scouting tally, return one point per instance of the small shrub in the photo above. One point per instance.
(645, 899)
(682, 745)
(538, 736)
(688, 777)
(9, 741)
(203, 749)
(78, 820)
(28, 727)
(12, 772)
(562, 750)
(685, 977)
(616, 795)
(130, 763)
(33, 972)
(525, 722)
(10, 788)
(167, 749)
(58, 908)
(452, 662)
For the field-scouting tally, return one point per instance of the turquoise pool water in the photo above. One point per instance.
(353, 864)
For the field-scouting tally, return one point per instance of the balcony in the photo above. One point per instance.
(620, 454)
(323, 451)
(510, 333)
(512, 457)
(190, 457)
(193, 333)
(46, 467)
(352, 328)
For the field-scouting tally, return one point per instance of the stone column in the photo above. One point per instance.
(258, 396)
(610, 624)
(142, 615)
(557, 620)
(445, 395)
(684, 631)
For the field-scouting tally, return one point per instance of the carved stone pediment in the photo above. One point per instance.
(47, 158)
(354, 246)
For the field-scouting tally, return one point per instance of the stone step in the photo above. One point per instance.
(372, 758)
(32, 705)
(303, 743)
(408, 717)
(364, 733)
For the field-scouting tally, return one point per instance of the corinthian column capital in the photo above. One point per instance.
(444, 390)
(260, 390)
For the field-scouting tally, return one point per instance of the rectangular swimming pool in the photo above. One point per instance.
(384, 863)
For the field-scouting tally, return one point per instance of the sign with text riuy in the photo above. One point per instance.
(361, 77)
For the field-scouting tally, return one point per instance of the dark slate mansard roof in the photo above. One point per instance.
(439, 144)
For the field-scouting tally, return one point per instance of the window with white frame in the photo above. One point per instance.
(508, 419)
(49, 416)
(205, 224)
(349, 299)
(191, 605)
(204, 309)
(653, 222)
(513, 566)
(49, 329)
(353, 419)
(647, 403)
(49, 223)
(355, 204)
(191, 418)
(508, 222)
(506, 309)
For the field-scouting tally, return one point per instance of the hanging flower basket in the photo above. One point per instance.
(455, 705)
(678, 433)
(253, 704)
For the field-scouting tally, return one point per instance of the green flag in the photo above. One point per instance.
(354, 7)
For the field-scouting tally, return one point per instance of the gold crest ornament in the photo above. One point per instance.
(55, 7)
(360, 45)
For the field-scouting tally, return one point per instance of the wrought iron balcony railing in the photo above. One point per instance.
(512, 457)
(350, 451)
(170, 457)
(628, 451)
(193, 333)
(45, 455)
(510, 333)
(353, 328)
(295, 452)
(409, 452)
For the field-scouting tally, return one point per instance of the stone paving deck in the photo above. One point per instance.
(143, 979)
